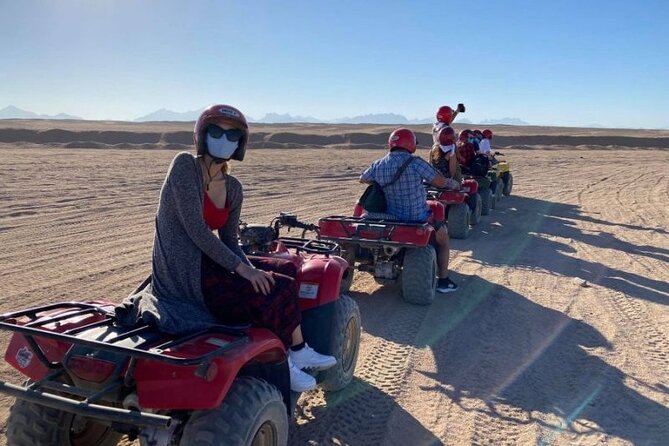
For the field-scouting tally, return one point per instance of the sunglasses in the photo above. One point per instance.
(217, 132)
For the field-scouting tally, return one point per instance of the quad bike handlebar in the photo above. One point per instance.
(257, 239)
(287, 220)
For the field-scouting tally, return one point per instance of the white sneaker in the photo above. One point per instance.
(300, 381)
(307, 358)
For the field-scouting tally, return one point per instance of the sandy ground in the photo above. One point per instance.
(558, 335)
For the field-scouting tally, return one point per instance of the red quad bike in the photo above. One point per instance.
(91, 380)
(463, 207)
(390, 250)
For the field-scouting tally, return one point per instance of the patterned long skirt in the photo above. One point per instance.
(232, 299)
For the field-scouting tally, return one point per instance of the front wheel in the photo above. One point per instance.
(30, 424)
(344, 345)
(497, 194)
(252, 414)
(419, 275)
(508, 184)
(486, 201)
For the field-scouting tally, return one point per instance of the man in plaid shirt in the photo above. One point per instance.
(406, 198)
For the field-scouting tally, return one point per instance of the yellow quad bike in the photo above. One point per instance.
(501, 170)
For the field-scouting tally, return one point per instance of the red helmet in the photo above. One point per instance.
(464, 135)
(220, 114)
(403, 139)
(487, 133)
(446, 136)
(445, 114)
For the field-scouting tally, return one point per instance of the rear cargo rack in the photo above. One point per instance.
(9, 321)
(147, 349)
(353, 230)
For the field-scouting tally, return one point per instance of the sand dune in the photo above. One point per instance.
(79, 134)
(558, 335)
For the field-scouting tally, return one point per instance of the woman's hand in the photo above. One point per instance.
(262, 281)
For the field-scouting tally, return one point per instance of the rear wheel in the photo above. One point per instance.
(486, 201)
(30, 424)
(476, 212)
(348, 254)
(345, 344)
(419, 275)
(458, 220)
(508, 184)
(252, 414)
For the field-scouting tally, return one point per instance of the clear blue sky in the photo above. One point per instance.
(546, 62)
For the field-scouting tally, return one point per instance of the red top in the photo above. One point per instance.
(213, 216)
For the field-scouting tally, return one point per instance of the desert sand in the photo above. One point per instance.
(559, 333)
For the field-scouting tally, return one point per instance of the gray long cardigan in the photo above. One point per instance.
(174, 299)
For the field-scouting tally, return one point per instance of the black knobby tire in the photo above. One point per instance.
(30, 424)
(508, 184)
(348, 254)
(496, 194)
(486, 201)
(252, 413)
(478, 206)
(419, 275)
(345, 344)
(459, 220)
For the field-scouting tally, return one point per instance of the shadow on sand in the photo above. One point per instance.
(497, 346)
(528, 231)
(530, 364)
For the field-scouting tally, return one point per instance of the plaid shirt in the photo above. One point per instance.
(406, 198)
(466, 153)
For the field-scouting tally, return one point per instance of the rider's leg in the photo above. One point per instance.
(443, 251)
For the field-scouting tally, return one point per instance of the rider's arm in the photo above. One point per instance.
(367, 177)
(439, 181)
(429, 173)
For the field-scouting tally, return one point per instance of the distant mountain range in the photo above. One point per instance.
(163, 114)
(12, 112)
(504, 121)
(169, 115)
(285, 118)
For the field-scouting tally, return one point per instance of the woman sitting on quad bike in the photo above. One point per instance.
(406, 198)
(443, 157)
(200, 279)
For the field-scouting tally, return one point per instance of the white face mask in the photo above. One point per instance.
(448, 149)
(222, 147)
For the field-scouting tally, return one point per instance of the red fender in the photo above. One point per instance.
(452, 197)
(165, 386)
(438, 212)
(20, 355)
(469, 185)
(319, 280)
